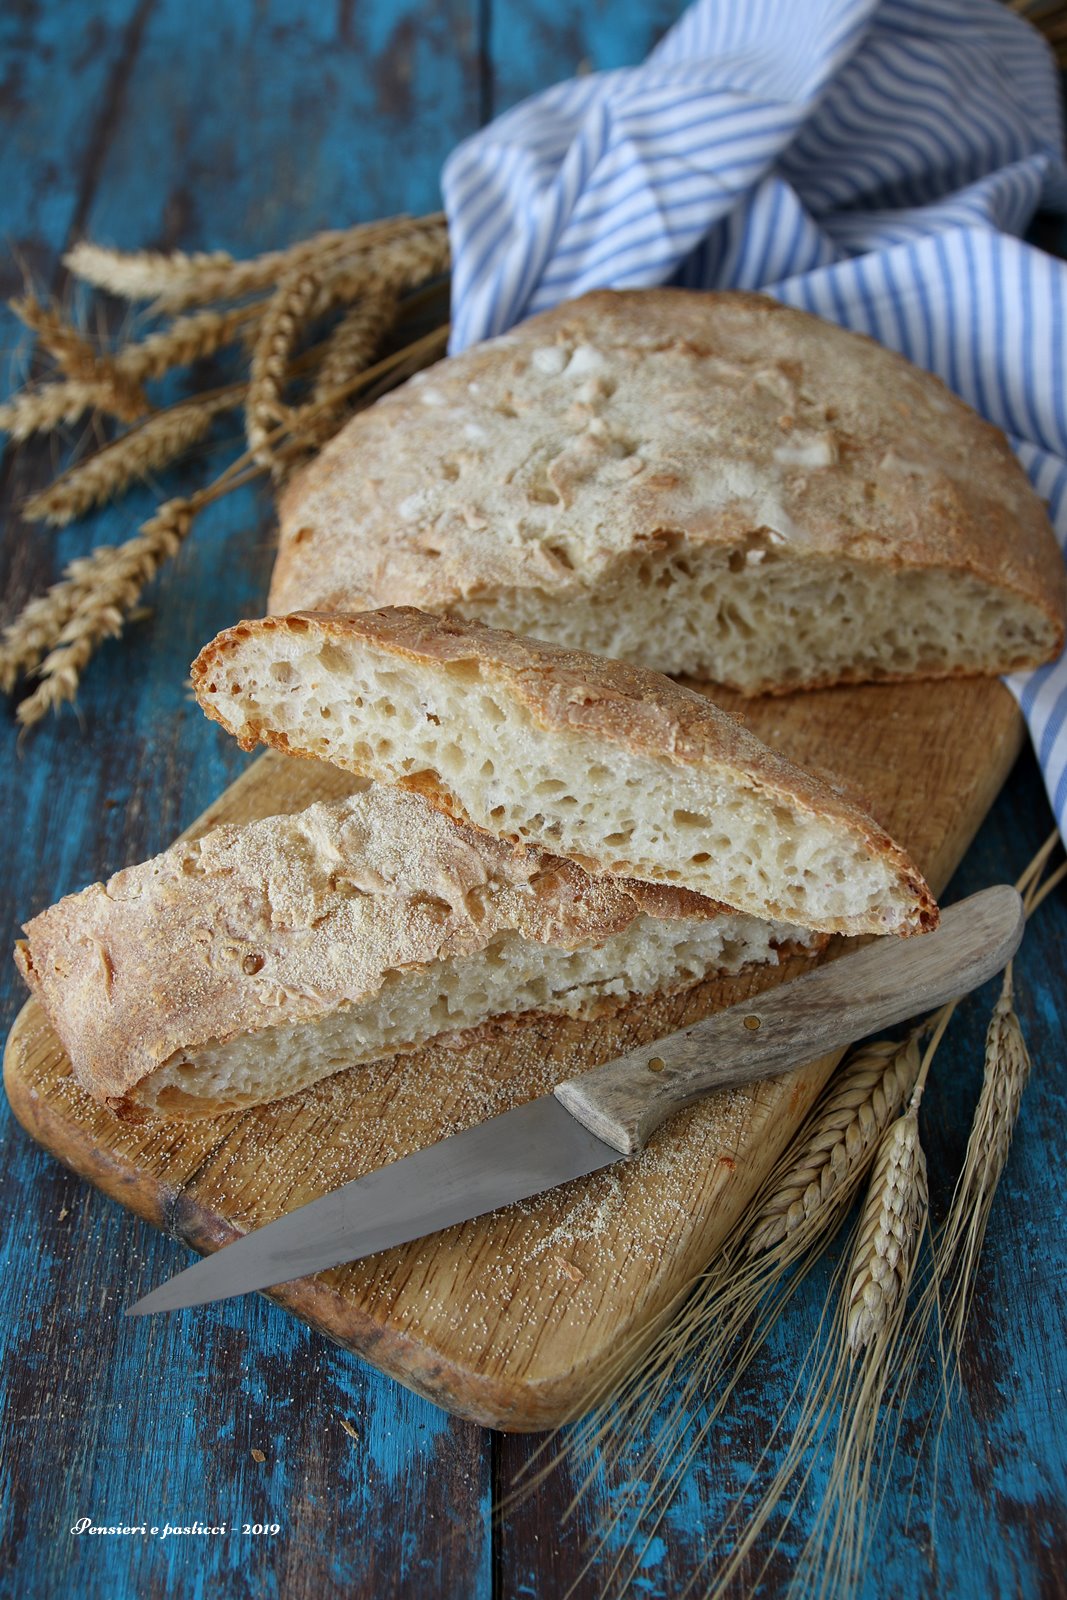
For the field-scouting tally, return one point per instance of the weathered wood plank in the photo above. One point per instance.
(194, 126)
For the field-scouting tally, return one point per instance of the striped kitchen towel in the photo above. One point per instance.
(871, 161)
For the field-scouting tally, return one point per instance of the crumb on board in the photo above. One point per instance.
(257, 1455)
(575, 1274)
(353, 1433)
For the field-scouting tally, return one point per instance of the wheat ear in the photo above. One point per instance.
(144, 274)
(187, 339)
(79, 360)
(157, 442)
(116, 579)
(893, 1219)
(864, 1094)
(1006, 1071)
(38, 625)
(355, 340)
(177, 280)
(397, 264)
(39, 409)
(287, 313)
(70, 349)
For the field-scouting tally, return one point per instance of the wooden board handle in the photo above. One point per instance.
(872, 988)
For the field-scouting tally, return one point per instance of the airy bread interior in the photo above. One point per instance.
(761, 621)
(511, 975)
(454, 733)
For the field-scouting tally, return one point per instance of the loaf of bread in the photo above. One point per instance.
(707, 484)
(614, 767)
(256, 960)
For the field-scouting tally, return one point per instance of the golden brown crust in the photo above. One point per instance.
(621, 705)
(284, 919)
(552, 458)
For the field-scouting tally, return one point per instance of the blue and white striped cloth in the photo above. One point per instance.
(871, 161)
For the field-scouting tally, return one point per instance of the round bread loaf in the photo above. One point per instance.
(708, 484)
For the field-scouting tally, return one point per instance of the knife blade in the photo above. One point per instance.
(607, 1114)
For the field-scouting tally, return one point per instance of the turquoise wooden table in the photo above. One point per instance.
(241, 125)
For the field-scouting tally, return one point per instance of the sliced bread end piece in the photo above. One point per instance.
(611, 766)
(244, 966)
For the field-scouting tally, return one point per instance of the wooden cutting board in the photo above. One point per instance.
(510, 1319)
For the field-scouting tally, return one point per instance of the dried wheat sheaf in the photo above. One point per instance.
(325, 326)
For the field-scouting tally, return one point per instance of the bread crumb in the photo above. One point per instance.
(568, 1267)
(257, 1455)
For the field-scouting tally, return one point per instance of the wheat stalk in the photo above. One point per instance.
(883, 1261)
(187, 339)
(38, 410)
(69, 348)
(355, 340)
(78, 358)
(112, 581)
(57, 633)
(177, 280)
(155, 444)
(143, 274)
(286, 314)
(864, 1094)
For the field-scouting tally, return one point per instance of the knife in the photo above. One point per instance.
(609, 1113)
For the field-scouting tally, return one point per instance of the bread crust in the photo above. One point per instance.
(285, 919)
(704, 418)
(621, 706)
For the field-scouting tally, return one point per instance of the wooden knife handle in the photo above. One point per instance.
(883, 983)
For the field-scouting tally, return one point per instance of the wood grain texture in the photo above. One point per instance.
(166, 124)
(511, 1320)
(187, 124)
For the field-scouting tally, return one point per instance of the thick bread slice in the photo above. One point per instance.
(258, 959)
(708, 484)
(611, 766)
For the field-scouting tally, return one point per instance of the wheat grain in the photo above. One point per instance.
(286, 314)
(893, 1219)
(864, 1095)
(117, 577)
(157, 442)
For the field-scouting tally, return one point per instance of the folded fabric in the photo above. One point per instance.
(871, 161)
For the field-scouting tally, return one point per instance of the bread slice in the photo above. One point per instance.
(258, 959)
(713, 485)
(611, 766)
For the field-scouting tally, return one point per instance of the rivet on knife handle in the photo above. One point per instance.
(883, 983)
